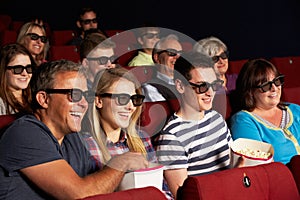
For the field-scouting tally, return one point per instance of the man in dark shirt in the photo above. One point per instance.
(42, 156)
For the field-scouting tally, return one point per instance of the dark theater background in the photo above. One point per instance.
(256, 28)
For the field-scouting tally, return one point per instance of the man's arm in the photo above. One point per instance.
(175, 179)
(60, 180)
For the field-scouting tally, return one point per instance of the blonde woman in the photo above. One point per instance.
(113, 118)
(33, 36)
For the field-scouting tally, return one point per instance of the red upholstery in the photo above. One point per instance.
(154, 116)
(146, 193)
(5, 21)
(271, 181)
(61, 37)
(289, 66)
(122, 37)
(235, 66)
(294, 166)
(8, 36)
(186, 46)
(142, 73)
(5, 120)
(221, 104)
(291, 94)
(69, 52)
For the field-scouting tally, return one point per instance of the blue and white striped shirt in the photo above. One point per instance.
(200, 146)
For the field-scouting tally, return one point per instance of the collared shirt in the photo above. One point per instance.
(141, 59)
(152, 93)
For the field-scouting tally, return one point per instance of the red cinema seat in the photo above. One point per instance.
(290, 67)
(294, 166)
(69, 52)
(235, 66)
(8, 36)
(61, 37)
(142, 73)
(291, 94)
(272, 181)
(5, 20)
(146, 193)
(154, 116)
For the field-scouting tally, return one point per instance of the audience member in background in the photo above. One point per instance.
(96, 53)
(196, 139)
(16, 67)
(86, 19)
(217, 50)
(50, 161)
(147, 37)
(261, 114)
(165, 53)
(114, 115)
(33, 36)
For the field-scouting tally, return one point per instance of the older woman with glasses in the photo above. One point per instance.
(196, 139)
(32, 35)
(16, 67)
(217, 50)
(262, 115)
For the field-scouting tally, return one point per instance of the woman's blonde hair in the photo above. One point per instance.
(27, 28)
(103, 81)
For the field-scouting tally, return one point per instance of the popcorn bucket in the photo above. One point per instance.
(151, 176)
(255, 152)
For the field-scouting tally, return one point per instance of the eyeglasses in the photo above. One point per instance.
(74, 95)
(34, 36)
(204, 86)
(278, 81)
(103, 59)
(170, 52)
(88, 21)
(223, 55)
(151, 35)
(123, 98)
(18, 69)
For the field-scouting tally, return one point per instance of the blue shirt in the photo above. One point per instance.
(285, 140)
(28, 142)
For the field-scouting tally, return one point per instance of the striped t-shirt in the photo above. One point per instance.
(201, 146)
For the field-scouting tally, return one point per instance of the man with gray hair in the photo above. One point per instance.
(165, 53)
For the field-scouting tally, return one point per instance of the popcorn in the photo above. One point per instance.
(254, 153)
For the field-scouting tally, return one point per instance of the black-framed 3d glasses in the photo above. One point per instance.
(74, 94)
(223, 55)
(151, 35)
(88, 21)
(123, 98)
(277, 81)
(170, 52)
(104, 59)
(34, 36)
(204, 86)
(18, 69)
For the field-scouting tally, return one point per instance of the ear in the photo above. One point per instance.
(155, 58)
(78, 24)
(85, 63)
(98, 102)
(180, 87)
(42, 99)
(139, 39)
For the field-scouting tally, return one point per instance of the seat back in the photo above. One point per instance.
(69, 52)
(235, 66)
(61, 37)
(294, 166)
(8, 36)
(271, 181)
(142, 73)
(154, 116)
(291, 94)
(146, 193)
(290, 67)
